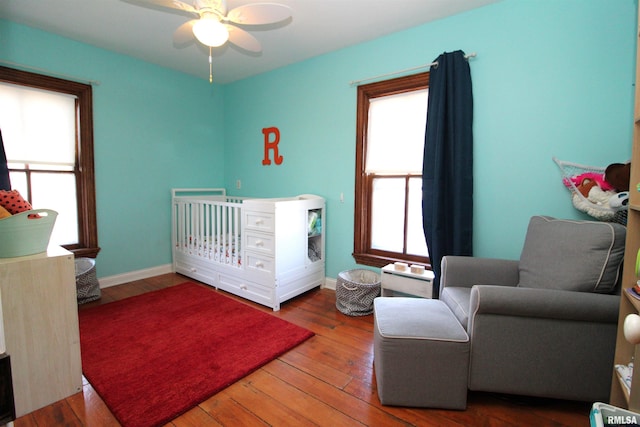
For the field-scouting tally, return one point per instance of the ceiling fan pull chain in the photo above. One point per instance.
(210, 67)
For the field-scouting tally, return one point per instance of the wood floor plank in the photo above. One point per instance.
(332, 396)
(196, 417)
(266, 407)
(91, 409)
(339, 356)
(26, 421)
(315, 322)
(321, 371)
(228, 412)
(57, 414)
(301, 402)
(354, 337)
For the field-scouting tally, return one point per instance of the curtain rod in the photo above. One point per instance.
(419, 67)
(49, 73)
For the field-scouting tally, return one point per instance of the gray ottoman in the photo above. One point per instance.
(421, 354)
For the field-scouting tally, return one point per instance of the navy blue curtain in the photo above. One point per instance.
(5, 183)
(447, 171)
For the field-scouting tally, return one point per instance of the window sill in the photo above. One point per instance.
(84, 252)
(380, 261)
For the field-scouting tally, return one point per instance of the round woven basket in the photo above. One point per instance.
(87, 286)
(356, 290)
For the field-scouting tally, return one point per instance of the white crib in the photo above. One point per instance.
(264, 250)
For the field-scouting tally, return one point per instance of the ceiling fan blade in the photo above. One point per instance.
(184, 34)
(259, 14)
(166, 5)
(218, 5)
(243, 39)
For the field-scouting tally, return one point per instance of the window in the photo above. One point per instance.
(47, 129)
(391, 122)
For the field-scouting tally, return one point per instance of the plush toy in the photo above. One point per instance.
(601, 195)
(617, 175)
(619, 199)
(596, 204)
(598, 178)
(585, 186)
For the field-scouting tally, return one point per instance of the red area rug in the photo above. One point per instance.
(154, 356)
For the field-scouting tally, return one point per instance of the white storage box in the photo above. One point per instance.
(406, 282)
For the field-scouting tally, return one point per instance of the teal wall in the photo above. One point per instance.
(154, 129)
(551, 78)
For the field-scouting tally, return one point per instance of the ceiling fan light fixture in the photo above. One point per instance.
(210, 32)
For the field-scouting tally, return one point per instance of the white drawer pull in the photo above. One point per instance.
(259, 243)
(259, 264)
(243, 287)
(259, 221)
(194, 270)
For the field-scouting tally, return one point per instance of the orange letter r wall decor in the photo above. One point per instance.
(271, 145)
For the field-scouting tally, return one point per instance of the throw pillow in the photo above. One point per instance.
(572, 255)
(13, 202)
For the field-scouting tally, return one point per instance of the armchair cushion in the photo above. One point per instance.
(460, 273)
(457, 298)
(572, 255)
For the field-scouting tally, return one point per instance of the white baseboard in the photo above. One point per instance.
(132, 276)
(329, 283)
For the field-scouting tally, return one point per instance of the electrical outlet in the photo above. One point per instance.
(238, 184)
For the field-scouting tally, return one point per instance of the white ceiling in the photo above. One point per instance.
(317, 27)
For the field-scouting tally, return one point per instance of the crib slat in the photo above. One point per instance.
(218, 226)
(181, 225)
(207, 229)
(223, 243)
(236, 237)
(193, 228)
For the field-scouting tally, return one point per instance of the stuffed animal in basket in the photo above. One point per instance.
(585, 181)
(617, 175)
(595, 204)
(602, 193)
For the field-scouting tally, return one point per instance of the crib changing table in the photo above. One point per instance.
(264, 250)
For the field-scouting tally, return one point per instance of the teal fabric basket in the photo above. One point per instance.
(26, 233)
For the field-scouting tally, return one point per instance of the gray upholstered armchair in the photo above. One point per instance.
(544, 325)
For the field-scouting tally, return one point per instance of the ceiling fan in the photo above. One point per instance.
(214, 25)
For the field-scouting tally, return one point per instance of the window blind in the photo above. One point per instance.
(396, 133)
(38, 126)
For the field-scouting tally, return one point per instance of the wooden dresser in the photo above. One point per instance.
(40, 317)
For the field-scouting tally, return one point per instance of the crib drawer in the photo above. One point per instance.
(263, 243)
(196, 269)
(261, 221)
(246, 289)
(259, 266)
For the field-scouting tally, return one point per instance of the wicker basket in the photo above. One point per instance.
(26, 233)
(87, 286)
(356, 290)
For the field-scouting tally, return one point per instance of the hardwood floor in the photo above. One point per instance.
(326, 381)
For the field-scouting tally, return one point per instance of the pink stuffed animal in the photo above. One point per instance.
(594, 176)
